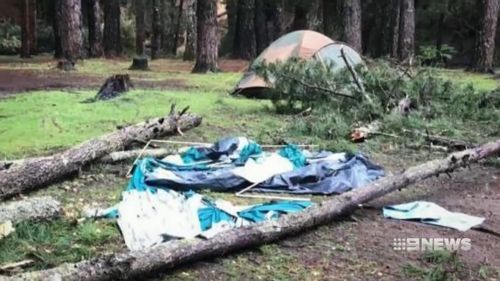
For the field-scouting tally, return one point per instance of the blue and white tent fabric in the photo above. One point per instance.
(160, 202)
(431, 213)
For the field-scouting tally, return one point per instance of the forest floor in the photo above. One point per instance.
(41, 112)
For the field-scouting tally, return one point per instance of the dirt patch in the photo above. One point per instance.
(16, 81)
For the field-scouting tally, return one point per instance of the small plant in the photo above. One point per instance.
(10, 35)
(431, 55)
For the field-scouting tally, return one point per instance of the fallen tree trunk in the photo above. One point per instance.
(139, 264)
(113, 157)
(42, 171)
(30, 209)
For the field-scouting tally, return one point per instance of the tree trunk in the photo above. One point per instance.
(207, 40)
(300, 18)
(140, 27)
(33, 25)
(245, 46)
(330, 19)
(190, 50)
(55, 28)
(351, 19)
(163, 257)
(26, 29)
(485, 42)
(276, 25)
(95, 32)
(112, 34)
(406, 40)
(30, 209)
(168, 24)
(180, 27)
(69, 15)
(156, 26)
(260, 24)
(395, 19)
(42, 171)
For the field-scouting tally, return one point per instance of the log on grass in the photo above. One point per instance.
(39, 172)
(113, 157)
(35, 208)
(137, 265)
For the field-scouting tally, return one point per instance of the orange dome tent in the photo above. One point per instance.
(304, 44)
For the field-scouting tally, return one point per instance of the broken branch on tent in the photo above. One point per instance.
(315, 87)
(166, 256)
(355, 76)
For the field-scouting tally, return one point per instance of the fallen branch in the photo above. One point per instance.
(39, 172)
(355, 76)
(314, 87)
(163, 257)
(30, 209)
(120, 156)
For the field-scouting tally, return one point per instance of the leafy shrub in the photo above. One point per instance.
(10, 35)
(432, 56)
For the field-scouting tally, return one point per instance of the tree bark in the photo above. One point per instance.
(485, 42)
(70, 28)
(95, 32)
(260, 27)
(55, 28)
(330, 19)
(395, 19)
(156, 26)
(168, 24)
(25, 29)
(351, 19)
(190, 50)
(135, 265)
(207, 40)
(406, 48)
(276, 25)
(245, 46)
(112, 33)
(32, 23)
(31, 209)
(43, 171)
(140, 26)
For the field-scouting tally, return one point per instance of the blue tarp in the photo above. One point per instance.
(321, 177)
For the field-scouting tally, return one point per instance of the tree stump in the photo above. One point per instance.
(139, 63)
(114, 86)
(66, 65)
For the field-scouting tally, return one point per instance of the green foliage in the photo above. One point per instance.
(431, 55)
(10, 35)
(437, 105)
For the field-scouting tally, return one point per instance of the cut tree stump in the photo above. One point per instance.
(161, 258)
(139, 63)
(35, 208)
(114, 86)
(38, 172)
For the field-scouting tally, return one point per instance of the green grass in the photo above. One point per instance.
(486, 82)
(50, 244)
(38, 122)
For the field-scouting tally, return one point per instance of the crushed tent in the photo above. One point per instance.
(288, 170)
(431, 213)
(160, 202)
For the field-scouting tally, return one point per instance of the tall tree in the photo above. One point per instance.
(485, 42)
(351, 19)
(395, 19)
(112, 34)
(28, 28)
(168, 19)
(95, 32)
(260, 22)
(207, 41)
(330, 19)
(140, 26)
(69, 14)
(190, 50)
(406, 42)
(54, 6)
(156, 26)
(275, 19)
(245, 44)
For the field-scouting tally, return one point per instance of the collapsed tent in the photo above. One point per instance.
(305, 44)
(161, 204)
